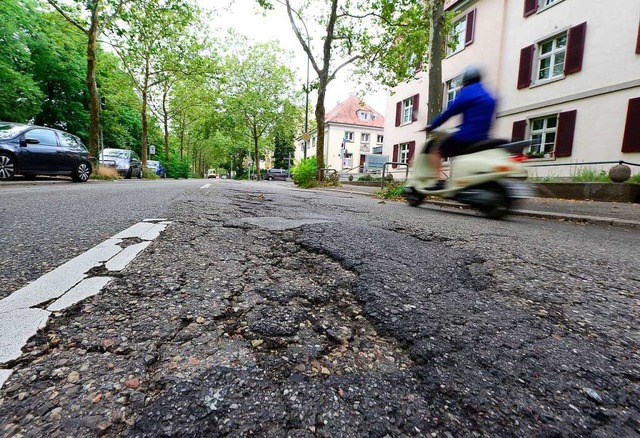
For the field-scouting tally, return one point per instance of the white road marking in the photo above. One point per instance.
(68, 284)
(206, 186)
(121, 260)
(85, 289)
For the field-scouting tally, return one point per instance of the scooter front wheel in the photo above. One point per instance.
(413, 197)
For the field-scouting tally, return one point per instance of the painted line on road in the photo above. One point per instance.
(206, 186)
(70, 283)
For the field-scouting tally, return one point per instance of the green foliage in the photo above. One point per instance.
(394, 190)
(551, 178)
(304, 173)
(178, 168)
(587, 174)
(635, 179)
(149, 174)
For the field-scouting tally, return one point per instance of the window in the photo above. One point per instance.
(456, 40)
(543, 136)
(377, 150)
(46, 136)
(549, 2)
(314, 140)
(380, 139)
(348, 136)
(453, 88)
(407, 110)
(631, 139)
(363, 115)
(462, 33)
(364, 138)
(404, 152)
(551, 57)
(557, 57)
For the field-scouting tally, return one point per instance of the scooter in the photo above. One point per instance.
(488, 176)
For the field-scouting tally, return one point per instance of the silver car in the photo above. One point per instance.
(125, 161)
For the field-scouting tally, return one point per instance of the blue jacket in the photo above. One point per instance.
(477, 107)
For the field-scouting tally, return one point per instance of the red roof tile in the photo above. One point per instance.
(347, 112)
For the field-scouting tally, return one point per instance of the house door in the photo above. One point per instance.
(362, 161)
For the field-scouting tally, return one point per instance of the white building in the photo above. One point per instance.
(566, 76)
(353, 130)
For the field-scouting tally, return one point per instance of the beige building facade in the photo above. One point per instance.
(566, 74)
(354, 132)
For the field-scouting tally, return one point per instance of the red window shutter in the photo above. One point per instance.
(575, 49)
(471, 26)
(564, 136)
(412, 149)
(398, 113)
(519, 130)
(530, 7)
(631, 139)
(638, 43)
(526, 64)
(395, 155)
(416, 104)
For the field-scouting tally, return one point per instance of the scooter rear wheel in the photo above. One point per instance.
(501, 202)
(413, 197)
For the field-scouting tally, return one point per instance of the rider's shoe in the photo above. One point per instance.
(436, 186)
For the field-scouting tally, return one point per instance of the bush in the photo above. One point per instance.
(149, 174)
(105, 173)
(393, 190)
(304, 173)
(590, 175)
(635, 179)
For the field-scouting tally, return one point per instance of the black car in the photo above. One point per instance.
(36, 150)
(277, 174)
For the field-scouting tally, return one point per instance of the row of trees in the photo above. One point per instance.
(143, 72)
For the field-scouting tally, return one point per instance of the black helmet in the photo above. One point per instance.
(470, 75)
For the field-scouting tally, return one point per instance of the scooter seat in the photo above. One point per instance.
(485, 145)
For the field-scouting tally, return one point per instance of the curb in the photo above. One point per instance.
(598, 220)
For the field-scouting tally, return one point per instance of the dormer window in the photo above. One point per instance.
(365, 116)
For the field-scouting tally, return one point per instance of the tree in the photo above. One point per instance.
(101, 13)
(258, 92)
(365, 33)
(20, 95)
(436, 52)
(153, 46)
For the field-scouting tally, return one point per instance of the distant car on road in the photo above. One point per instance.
(157, 168)
(211, 173)
(125, 161)
(31, 150)
(277, 174)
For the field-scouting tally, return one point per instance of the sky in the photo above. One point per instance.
(246, 18)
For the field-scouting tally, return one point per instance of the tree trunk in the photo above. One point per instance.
(320, 115)
(165, 123)
(436, 52)
(94, 99)
(143, 152)
(256, 157)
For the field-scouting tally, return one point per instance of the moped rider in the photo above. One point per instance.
(477, 107)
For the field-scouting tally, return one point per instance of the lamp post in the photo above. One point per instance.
(306, 109)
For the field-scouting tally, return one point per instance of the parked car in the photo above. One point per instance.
(211, 173)
(30, 150)
(277, 174)
(125, 161)
(157, 168)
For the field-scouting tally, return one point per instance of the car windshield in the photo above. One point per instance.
(116, 153)
(9, 130)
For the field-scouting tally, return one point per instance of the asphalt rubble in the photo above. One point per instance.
(273, 333)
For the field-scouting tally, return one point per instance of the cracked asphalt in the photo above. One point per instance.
(272, 311)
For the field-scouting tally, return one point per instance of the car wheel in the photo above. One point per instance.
(82, 172)
(7, 167)
(140, 174)
(128, 174)
(270, 178)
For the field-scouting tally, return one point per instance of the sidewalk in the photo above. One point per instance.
(603, 213)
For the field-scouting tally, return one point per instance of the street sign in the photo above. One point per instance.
(306, 136)
(152, 150)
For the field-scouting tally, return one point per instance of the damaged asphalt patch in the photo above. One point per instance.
(231, 325)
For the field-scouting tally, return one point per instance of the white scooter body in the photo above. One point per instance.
(489, 179)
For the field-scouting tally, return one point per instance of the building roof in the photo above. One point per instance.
(347, 112)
